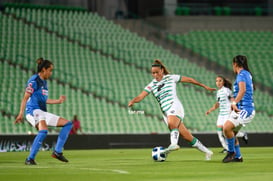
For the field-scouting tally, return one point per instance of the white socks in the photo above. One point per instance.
(174, 136)
(240, 134)
(222, 139)
(197, 144)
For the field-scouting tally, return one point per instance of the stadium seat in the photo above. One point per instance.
(100, 67)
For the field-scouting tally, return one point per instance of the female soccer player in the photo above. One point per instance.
(34, 104)
(242, 106)
(224, 98)
(163, 87)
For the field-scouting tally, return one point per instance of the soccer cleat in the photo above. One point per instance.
(245, 138)
(59, 156)
(209, 155)
(223, 151)
(229, 157)
(30, 162)
(172, 148)
(237, 159)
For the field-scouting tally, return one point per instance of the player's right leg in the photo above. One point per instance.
(220, 122)
(228, 131)
(38, 140)
(173, 124)
(222, 140)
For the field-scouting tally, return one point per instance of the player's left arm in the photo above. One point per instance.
(193, 81)
(56, 101)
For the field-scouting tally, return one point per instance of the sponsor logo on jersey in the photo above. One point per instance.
(160, 86)
(45, 92)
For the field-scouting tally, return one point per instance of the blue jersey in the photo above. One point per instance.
(39, 94)
(247, 102)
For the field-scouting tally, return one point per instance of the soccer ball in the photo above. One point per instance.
(158, 154)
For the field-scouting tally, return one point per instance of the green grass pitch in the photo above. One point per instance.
(137, 165)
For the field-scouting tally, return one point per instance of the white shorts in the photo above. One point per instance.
(39, 115)
(239, 119)
(176, 109)
(221, 120)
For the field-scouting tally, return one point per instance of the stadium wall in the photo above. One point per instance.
(184, 24)
(109, 141)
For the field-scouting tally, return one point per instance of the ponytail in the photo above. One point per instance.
(158, 63)
(43, 64)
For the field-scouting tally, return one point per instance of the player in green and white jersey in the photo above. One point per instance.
(163, 87)
(224, 98)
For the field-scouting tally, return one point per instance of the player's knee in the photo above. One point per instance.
(226, 130)
(63, 122)
(42, 125)
(68, 124)
(172, 125)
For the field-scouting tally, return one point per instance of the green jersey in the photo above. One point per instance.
(223, 97)
(164, 91)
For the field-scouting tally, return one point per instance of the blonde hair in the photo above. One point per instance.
(158, 63)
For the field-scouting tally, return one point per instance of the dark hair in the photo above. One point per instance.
(241, 61)
(158, 63)
(227, 82)
(43, 64)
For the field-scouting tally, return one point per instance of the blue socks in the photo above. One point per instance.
(231, 144)
(234, 148)
(37, 144)
(237, 151)
(41, 137)
(63, 136)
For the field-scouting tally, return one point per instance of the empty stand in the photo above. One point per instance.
(99, 66)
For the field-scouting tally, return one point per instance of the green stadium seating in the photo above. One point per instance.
(99, 67)
(222, 46)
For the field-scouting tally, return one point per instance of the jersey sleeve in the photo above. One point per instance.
(148, 88)
(177, 78)
(229, 93)
(31, 86)
(241, 77)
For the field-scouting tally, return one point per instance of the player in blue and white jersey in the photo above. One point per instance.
(34, 105)
(242, 106)
(224, 98)
(163, 88)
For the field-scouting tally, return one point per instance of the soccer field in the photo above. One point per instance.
(137, 164)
